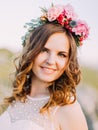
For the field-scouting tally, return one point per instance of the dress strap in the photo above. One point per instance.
(55, 110)
(52, 117)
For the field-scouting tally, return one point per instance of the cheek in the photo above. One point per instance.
(63, 64)
(39, 59)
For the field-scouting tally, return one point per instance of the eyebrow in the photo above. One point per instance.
(64, 52)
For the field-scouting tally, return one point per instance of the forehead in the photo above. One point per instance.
(58, 41)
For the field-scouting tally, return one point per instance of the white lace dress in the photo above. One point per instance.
(26, 116)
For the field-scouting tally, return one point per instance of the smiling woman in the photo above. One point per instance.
(44, 88)
(53, 59)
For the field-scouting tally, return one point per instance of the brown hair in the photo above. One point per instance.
(63, 90)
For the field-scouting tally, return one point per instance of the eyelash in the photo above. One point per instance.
(44, 50)
(62, 55)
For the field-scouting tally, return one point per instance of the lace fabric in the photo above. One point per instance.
(30, 110)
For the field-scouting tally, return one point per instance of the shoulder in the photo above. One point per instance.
(70, 108)
(71, 117)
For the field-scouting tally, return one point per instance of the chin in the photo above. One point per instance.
(48, 80)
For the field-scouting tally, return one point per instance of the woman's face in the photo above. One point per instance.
(52, 61)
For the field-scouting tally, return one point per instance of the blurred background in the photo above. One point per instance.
(14, 15)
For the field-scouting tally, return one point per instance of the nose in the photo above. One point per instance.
(51, 59)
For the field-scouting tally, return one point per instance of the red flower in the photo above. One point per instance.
(60, 19)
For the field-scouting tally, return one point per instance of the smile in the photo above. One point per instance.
(48, 70)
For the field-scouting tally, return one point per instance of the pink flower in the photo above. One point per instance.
(54, 12)
(81, 29)
(69, 12)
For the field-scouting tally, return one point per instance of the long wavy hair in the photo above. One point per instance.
(63, 90)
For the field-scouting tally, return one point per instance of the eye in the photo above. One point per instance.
(44, 50)
(63, 55)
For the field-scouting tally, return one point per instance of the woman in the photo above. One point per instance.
(44, 89)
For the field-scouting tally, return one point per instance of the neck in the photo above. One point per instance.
(39, 88)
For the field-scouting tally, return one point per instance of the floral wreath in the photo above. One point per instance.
(63, 15)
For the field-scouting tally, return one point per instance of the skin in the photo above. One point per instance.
(50, 64)
(70, 117)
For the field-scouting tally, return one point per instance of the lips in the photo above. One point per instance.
(48, 70)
